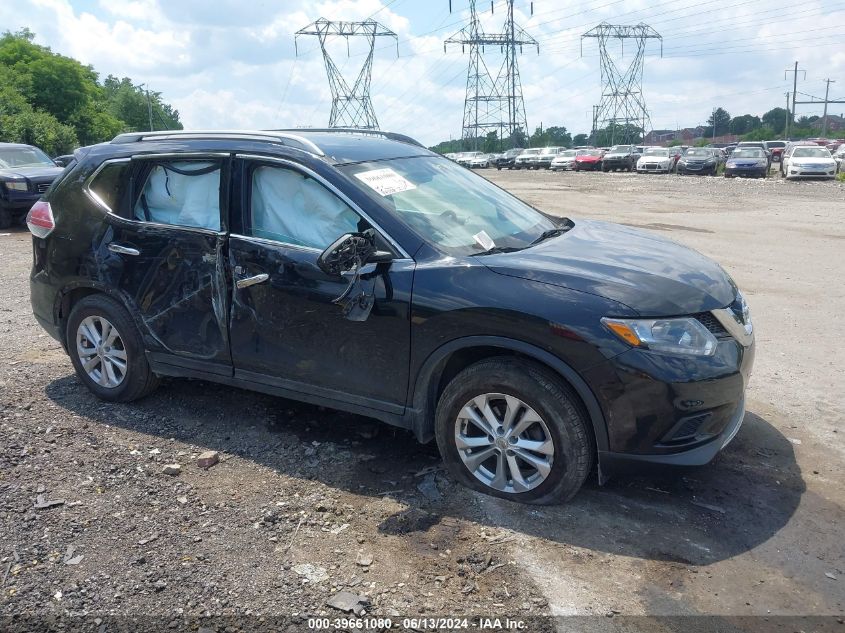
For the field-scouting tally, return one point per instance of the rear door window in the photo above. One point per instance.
(179, 193)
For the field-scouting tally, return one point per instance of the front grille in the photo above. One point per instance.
(42, 187)
(711, 323)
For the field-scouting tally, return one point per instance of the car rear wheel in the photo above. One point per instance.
(512, 429)
(106, 350)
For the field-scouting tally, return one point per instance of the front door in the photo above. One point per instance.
(286, 329)
(163, 249)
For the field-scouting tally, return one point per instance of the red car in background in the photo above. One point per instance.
(589, 160)
(776, 148)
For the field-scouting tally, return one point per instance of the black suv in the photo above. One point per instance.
(25, 174)
(358, 270)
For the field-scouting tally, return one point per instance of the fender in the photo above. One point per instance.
(110, 291)
(422, 398)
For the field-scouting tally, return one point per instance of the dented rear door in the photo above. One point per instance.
(174, 279)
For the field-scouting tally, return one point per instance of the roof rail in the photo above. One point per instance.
(393, 136)
(280, 136)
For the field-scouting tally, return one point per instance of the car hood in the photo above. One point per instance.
(655, 159)
(617, 155)
(650, 274)
(812, 161)
(40, 171)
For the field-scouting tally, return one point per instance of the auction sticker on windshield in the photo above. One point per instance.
(385, 182)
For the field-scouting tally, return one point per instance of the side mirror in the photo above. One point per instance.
(349, 251)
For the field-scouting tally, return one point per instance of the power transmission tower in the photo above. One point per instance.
(622, 107)
(350, 107)
(492, 104)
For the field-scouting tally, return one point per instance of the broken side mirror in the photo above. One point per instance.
(351, 251)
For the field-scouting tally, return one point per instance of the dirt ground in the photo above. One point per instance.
(307, 502)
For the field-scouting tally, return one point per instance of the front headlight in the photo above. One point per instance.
(17, 185)
(684, 335)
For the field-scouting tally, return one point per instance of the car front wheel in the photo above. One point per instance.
(512, 429)
(106, 350)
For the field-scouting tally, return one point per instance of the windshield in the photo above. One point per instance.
(621, 149)
(24, 157)
(748, 153)
(449, 206)
(568, 153)
(697, 152)
(530, 152)
(590, 152)
(810, 152)
(656, 152)
(776, 143)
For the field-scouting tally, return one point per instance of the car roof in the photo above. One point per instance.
(18, 145)
(336, 145)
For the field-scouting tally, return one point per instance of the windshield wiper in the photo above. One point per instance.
(496, 249)
(550, 233)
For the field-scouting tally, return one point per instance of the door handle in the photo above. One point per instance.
(251, 281)
(123, 250)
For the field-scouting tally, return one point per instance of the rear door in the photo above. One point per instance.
(163, 250)
(287, 330)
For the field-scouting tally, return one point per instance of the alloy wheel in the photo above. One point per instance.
(504, 443)
(101, 351)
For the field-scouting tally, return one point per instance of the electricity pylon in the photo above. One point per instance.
(622, 107)
(492, 104)
(350, 107)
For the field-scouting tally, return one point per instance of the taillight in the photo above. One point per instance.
(40, 219)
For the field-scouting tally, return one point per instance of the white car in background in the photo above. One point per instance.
(809, 162)
(839, 157)
(565, 160)
(656, 160)
(526, 159)
(479, 161)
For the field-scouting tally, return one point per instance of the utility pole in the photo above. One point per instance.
(351, 107)
(794, 72)
(824, 116)
(786, 125)
(149, 105)
(714, 126)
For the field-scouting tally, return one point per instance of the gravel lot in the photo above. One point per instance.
(307, 502)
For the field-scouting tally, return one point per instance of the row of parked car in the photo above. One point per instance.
(749, 158)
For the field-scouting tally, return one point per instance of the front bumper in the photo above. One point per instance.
(695, 168)
(756, 170)
(667, 410)
(654, 168)
(616, 163)
(18, 200)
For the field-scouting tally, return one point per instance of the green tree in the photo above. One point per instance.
(581, 139)
(40, 129)
(744, 124)
(129, 103)
(720, 120)
(775, 120)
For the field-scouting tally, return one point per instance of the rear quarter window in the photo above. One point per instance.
(108, 186)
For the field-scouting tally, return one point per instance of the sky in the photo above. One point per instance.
(233, 63)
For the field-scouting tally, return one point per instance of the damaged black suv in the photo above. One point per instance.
(358, 270)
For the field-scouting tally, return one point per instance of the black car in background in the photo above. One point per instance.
(360, 271)
(25, 174)
(699, 160)
(505, 160)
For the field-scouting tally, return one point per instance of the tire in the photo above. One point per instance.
(605, 169)
(5, 218)
(562, 421)
(137, 379)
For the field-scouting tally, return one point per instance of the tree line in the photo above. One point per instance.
(59, 104)
(749, 127)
